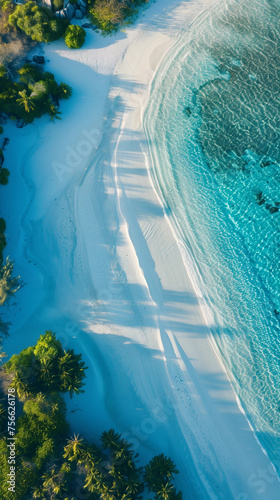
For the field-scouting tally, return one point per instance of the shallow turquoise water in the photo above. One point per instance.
(213, 123)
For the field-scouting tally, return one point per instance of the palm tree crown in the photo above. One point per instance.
(64, 91)
(26, 101)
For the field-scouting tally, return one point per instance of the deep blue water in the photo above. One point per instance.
(213, 123)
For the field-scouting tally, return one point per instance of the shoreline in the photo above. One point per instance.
(120, 294)
(254, 443)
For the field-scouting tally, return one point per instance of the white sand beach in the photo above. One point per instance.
(103, 269)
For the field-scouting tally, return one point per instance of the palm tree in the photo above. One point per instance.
(74, 448)
(74, 386)
(8, 285)
(21, 386)
(65, 468)
(49, 478)
(26, 101)
(93, 480)
(38, 492)
(65, 380)
(111, 439)
(54, 113)
(64, 91)
(159, 471)
(66, 371)
(123, 453)
(90, 457)
(3, 417)
(165, 492)
(71, 370)
(53, 483)
(134, 485)
(46, 372)
(105, 491)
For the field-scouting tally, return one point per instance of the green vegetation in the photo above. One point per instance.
(8, 284)
(32, 96)
(64, 91)
(46, 367)
(4, 176)
(14, 44)
(74, 36)
(6, 5)
(41, 432)
(158, 476)
(49, 464)
(109, 15)
(58, 4)
(38, 22)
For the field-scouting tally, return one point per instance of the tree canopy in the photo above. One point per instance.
(109, 15)
(38, 22)
(34, 94)
(50, 463)
(46, 367)
(8, 284)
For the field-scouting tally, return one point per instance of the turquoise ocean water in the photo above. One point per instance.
(213, 123)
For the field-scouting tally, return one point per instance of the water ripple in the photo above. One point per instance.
(213, 123)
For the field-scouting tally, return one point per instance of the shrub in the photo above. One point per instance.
(107, 14)
(58, 4)
(6, 5)
(48, 347)
(2, 225)
(3, 71)
(29, 73)
(74, 37)
(4, 176)
(37, 22)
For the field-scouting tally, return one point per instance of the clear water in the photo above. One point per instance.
(213, 123)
